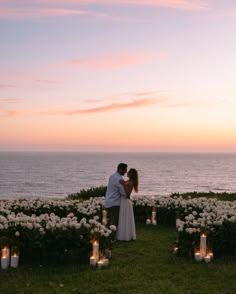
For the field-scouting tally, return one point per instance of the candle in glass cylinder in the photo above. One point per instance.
(154, 216)
(5, 252)
(197, 256)
(177, 222)
(104, 217)
(153, 213)
(154, 222)
(96, 250)
(203, 246)
(5, 258)
(148, 221)
(207, 258)
(210, 254)
(92, 261)
(4, 262)
(100, 264)
(105, 261)
(14, 260)
(175, 250)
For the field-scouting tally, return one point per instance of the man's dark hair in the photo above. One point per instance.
(122, 166)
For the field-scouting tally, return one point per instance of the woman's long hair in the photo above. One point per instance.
(134, 178)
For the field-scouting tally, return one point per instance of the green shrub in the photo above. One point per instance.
(225, 196)
(87, 193)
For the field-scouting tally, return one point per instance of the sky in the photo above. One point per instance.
(118, 75)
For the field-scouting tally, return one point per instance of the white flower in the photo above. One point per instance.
(113, 227)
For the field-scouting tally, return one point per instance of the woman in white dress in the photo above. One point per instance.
(126, 228)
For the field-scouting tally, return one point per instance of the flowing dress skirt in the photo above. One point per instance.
(126, 228)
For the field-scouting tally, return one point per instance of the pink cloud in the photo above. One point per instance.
(21, 77)
(33, 8)
(111, 61)
(133, 96)
(6, 86)
(109, 107)
(38, 12)
(179, 4)
(93, 100)
(11, 100)
(49, 82)
(134, 103)
(140, 94)
(12, 113)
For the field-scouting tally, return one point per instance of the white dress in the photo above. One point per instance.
(126, 228)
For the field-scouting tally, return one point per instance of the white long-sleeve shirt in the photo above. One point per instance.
(114, 191)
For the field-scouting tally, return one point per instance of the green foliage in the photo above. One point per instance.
(87, 193)
(225, 196)
(141, 213)
(187, 243)
(223, 240)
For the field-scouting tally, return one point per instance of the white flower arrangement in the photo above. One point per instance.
(43, 216)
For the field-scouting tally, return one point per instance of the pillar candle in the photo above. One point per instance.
(92, 261)
(14, 261)
(104, 212)
(210, 254)
(100, 264)
(5, 252)
(203, 246)
(104, 217)
(5, 260)
(153, 214)
(177, 222)
(207, 258)
(105, 261)
(104, 220)
(148, 221)
(197, 256)
(154, 222)
(176, 249)
(96, 250)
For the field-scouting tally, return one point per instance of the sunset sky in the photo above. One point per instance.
(118, 75)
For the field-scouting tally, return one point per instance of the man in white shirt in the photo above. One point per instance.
(113, 194)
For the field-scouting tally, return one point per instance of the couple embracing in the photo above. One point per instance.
(118, 203)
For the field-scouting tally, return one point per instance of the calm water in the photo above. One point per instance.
(58, 174)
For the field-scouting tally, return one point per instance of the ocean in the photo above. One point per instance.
(57, 174)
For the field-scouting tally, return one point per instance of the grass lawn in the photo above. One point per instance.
(143, 266)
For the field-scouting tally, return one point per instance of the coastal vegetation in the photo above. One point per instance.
(87, 193)
(227, 196)
(101, 190)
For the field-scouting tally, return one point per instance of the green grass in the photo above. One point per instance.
(143, 266)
